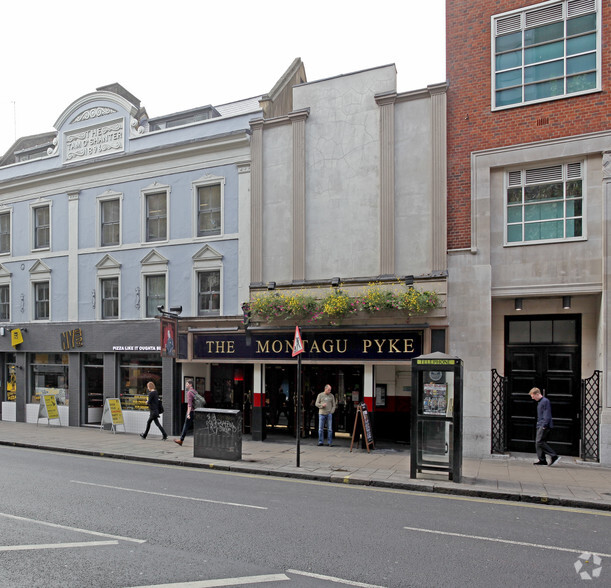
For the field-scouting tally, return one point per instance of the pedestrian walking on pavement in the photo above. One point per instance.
(153, 404)
(544, 426)
(326, 404)
(188, 418)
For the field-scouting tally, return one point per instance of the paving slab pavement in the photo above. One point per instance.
(571, 483)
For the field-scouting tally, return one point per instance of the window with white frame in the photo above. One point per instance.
(109, 288)
(106, 302)
(110, 222)
(209, 213)
(41, 218)
(545, 52)
(208, 292)
(41, 301)
(207, 280)
(5, 302)
(156, 214)
(5, 232)
(155, 294)
(545, 203)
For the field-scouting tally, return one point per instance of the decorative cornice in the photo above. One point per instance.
(547, 290)
(298, 114)
(98, 97)
(386, 98)
(93, 113)
(151, 163)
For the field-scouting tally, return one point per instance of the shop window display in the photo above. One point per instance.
(9, 389)
(135, 371)
(50, 376)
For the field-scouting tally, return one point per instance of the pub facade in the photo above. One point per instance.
(347, 203)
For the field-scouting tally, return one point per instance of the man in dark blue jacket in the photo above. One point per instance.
(544, 425)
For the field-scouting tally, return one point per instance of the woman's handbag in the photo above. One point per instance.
(160, 407)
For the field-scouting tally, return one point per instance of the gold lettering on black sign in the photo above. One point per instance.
(323, 347)
(71, 339)
(388, 346)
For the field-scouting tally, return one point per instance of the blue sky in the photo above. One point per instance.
(187, 53)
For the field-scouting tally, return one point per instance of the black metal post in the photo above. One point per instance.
(298, 424)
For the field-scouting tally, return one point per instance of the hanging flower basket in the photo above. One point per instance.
(337, 304)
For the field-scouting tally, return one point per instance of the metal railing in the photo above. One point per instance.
(590, 418)
(499, 413)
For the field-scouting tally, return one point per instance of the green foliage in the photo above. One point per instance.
(337, 304)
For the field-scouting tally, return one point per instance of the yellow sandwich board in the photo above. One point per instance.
(113, 414)
(48, 408)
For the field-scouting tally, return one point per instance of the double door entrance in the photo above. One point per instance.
(544, 352)
(281, 383)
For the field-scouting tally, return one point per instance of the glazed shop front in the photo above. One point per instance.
(81, 364)
(255, 372)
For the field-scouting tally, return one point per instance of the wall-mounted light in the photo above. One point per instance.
(271, 285)
(335, 282)
(176, 309)
(518, 303)
(566, 302)
(409, 280)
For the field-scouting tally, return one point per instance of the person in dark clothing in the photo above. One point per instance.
(153, 404)
(544, 425)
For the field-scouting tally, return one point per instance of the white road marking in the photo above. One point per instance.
(221, 582)
(56, 545)
(332, 579)
(75, 529)
(352, 487)
(495, 540)
(170, 495)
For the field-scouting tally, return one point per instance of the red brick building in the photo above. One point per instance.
(529, 142)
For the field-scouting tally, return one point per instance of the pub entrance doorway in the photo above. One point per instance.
(280, 403)
(544, 352)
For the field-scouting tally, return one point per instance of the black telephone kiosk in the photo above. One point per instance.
(436, 436)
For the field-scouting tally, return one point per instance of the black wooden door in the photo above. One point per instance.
(555, 368)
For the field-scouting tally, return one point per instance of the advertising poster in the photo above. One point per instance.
(435, 399)
(169, 340)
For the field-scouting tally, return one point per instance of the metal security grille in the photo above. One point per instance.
(499, 413)
(590, 410)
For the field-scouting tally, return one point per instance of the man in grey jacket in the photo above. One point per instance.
(326, 404)
(544, 425)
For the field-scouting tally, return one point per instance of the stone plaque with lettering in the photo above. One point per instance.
(94, 141)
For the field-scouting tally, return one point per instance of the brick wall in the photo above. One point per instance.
(472, 126)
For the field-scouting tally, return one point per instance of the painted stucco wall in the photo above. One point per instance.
(278, 204)
(342, 172)
(176, 159)
(413, 187)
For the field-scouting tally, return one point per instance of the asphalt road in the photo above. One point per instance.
(75, 521)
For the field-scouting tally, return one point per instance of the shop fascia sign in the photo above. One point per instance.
(136, 347)
(397, 345)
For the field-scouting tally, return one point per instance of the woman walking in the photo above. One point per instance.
(153, 404)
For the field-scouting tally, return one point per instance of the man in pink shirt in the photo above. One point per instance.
(188, 419)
